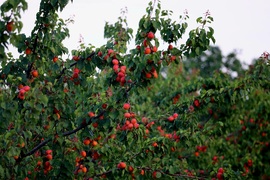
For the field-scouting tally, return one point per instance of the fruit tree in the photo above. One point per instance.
(123, 112)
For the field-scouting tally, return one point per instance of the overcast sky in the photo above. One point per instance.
(242, 25)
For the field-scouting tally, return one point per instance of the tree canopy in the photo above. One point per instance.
(143, 113)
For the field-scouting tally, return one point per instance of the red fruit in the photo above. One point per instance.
(95, 124)
(148, 75)
(147, 51)
(115, 68)
(154, 175)
(121, 165)
(55, 59)
(39, 163)
(171, 118)
(130, 126)
(144, 120)
(219, 176)
(20, 86)
(75, 75)
(249, 163)
(196, 103)
(83, 153)
(130, 169)
(155, 144)
(76, 58)
(84, 169)
(196, 154)
(94, 143)
(175, 115)
(215, 158)
(22, 91)
(26, 88)
(121, 74)
(28, 51)
(86, 141)
(154, 49)
(154, 73)
(221, 170)
(150, 35)
(91, 114)
(49, 157)
(49, 151)
(172, 58)
(133, 121)
(136, 125)
(99, 54)
(104, 106)
(35, 73)
(126, 106)
(76, 70)
(123, 69)
(127, 115)
(10, 26)
(106, 57)
(115, 61)
(47, 164)
(138, 47)
(110, 52)
(170, 47)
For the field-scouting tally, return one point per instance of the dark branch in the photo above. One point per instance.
(73, 64)
(43, 143)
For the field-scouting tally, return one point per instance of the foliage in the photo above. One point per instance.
(109, 113)
(213, 60)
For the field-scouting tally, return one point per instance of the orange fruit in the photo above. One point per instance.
(28, 51)
(35, 73)
(83, 154)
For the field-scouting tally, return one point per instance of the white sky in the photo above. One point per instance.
(242, 25)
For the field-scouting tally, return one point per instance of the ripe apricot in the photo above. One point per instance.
(126, 106)
(83, 153)
(84, 169)
(86, 141)
(55, 59)
(148, 75)
(121, 165)
(35, 73)
(94, 143)
(28, 51)
(49, 157)
(147, 51)
(154, 49)
(91, 114)
(127, 115)
(150, 35)
(10, 26)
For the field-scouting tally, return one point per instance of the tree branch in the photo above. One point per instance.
(73, 64)
(43, 143)
(67, 133)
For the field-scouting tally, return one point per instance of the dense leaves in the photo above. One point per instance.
(106, 112)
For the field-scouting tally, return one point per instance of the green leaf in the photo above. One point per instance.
(43, 99)
(198, 51)
(158, 175)
(2, 172)
(3, 105)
